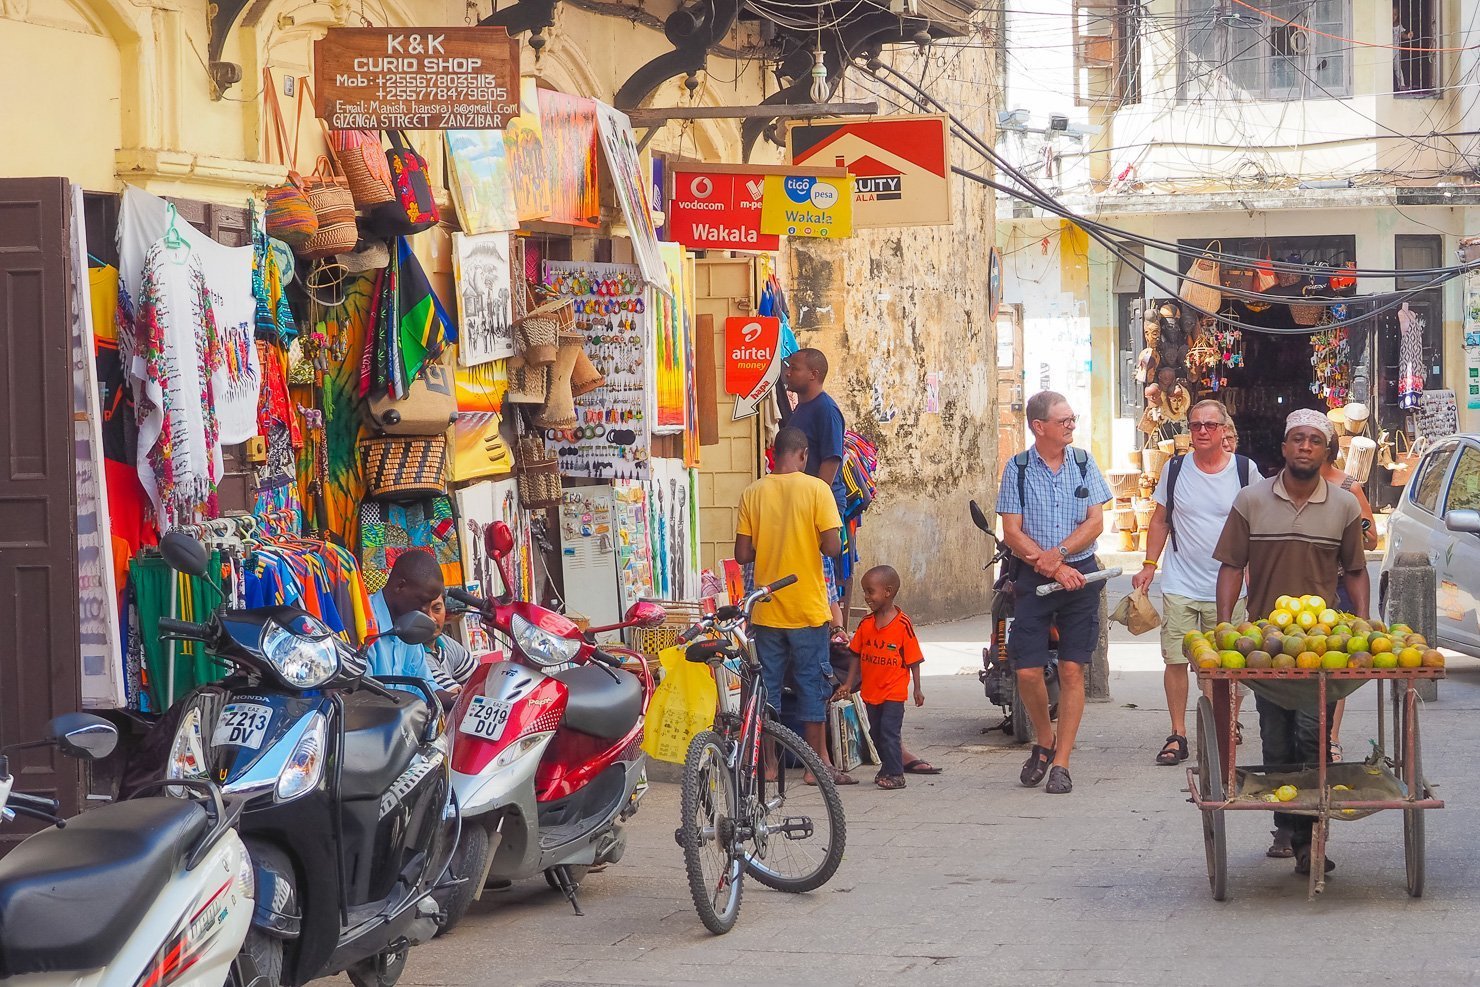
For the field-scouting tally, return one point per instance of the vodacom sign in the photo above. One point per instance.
(713, 208)
(752, 360)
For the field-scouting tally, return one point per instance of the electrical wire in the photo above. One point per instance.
(1336, 37)
(1031, 193)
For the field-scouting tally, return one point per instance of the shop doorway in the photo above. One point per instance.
(725, 286)
(39, 673)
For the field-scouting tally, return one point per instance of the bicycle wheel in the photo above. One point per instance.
(707, 832)
(800, 830)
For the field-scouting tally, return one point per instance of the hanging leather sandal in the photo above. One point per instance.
(1173, 752)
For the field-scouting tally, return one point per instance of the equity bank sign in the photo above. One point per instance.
(723, 207)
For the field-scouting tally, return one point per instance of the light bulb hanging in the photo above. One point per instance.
(819, 74)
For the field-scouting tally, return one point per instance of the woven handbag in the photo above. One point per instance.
(1265, 277)
(1200, 286)
(538, 333)
(403, 467)
(1307, 315)
(1289, 279)
(288, 215)
(328, 193)
(360, 158)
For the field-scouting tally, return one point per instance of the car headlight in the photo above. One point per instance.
(540, 646)
(305, 765)
(187, 759)
(306, 659)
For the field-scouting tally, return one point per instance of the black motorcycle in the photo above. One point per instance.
(350, 820)
(997, 675)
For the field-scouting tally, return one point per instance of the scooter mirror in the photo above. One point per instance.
(184, 554)
(498, 540)
(980, 519)
(645, 613)
(83, 735)
(414, 628)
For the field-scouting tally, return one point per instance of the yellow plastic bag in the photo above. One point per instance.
(683, 704)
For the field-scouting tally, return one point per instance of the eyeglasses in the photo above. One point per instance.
(1205, 426)
(1065, 422)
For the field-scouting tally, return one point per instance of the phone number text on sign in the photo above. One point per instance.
(392, 79)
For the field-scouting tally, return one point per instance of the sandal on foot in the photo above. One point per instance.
(1058, 781)
(1281, 846)
(1333, 752)
(890, 782)
(1238, 733)
(1302, 861)
(920, 766)
(1174, 751)
(1036, 766)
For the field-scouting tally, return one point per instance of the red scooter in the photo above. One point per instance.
(547, 760)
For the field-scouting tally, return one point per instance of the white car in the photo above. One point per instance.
(1438, 516)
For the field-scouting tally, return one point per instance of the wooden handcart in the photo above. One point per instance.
(1384, 780)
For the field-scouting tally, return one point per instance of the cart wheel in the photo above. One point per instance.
(1413, 835)
(1210, 789)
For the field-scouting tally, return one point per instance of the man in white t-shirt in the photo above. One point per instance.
(1200, 488)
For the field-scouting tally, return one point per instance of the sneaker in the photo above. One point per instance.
(1058, 781)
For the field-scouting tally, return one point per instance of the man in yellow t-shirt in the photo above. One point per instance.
(788, 519)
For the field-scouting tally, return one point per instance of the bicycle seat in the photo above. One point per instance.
(715, 651)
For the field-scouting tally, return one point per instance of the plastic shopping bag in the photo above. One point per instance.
(683, 704)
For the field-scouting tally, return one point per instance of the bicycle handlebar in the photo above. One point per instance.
(729, 614)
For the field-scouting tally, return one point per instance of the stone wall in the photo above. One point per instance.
(889, 307)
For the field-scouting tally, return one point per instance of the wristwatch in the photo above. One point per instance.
(1063, 552)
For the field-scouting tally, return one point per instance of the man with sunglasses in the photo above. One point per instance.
(1050, 503)
(1193, 498)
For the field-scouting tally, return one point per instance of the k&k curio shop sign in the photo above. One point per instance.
(446, 78)
(718, 209)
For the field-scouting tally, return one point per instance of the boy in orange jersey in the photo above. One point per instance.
(886, 658)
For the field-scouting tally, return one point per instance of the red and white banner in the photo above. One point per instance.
(718, 210)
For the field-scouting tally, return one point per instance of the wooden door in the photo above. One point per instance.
(39, 647)
(1011, 416)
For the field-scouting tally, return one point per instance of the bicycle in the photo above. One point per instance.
(734, 819)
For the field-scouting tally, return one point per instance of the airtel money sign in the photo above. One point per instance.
(718, 210)
(752, 359)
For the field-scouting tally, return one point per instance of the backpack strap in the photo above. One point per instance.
(1173, 468)
(1081, 457)
(1245, 465)
(1021, 459)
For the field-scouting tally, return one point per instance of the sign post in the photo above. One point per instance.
(752, 360)
(446, 78)
(901, 165)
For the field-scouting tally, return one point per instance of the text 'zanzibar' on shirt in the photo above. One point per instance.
(1291, 551)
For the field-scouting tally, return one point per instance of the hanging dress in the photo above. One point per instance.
(1411, 373)
(176, 357)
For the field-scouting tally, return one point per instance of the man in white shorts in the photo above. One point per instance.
(1193, 498)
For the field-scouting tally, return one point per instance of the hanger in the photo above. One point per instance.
(172, 238)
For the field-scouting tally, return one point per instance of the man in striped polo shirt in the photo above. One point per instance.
(1292, 533)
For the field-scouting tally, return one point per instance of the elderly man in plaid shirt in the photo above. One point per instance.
(1049, 502)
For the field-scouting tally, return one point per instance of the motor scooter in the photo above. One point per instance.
(349, 817)
(152, 891)
(997, 675)
(548, 760)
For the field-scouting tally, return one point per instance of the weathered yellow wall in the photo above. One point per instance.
(887, 307)
(107, 92)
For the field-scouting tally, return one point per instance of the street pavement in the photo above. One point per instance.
(968, 878)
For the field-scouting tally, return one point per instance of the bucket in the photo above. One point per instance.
(1124, 483)
(1155, 459)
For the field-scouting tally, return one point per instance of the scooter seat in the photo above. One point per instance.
(380, 736)
(70, 898)
(602, 702)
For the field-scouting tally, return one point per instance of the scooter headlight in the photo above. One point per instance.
(305, 765)
(187, 759)
(540, 646)
(305, 657)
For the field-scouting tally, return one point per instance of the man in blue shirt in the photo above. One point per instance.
(820, 419)
(1049, 502)
(415, 581)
